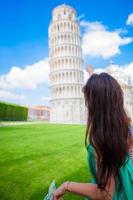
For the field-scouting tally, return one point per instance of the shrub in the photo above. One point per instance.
(12, 112)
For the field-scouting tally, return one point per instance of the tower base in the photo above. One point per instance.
(68, 111)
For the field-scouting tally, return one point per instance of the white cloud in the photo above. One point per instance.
(5, 95)
(98, 41)
(130, 19)
(81, 17)
(28, 77)
(45, 98)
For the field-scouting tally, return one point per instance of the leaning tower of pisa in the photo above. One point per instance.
(66, 67)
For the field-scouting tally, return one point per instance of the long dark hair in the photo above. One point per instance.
(108, 127)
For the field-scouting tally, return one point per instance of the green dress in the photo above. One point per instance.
(126, 174)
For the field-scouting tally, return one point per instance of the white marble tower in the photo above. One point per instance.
(66, 67)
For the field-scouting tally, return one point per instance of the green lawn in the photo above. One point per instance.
(31, 156)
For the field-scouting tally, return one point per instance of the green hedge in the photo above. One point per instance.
(12, 112)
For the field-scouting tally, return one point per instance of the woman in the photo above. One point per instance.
(108, 141)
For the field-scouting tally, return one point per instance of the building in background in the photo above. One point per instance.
(41, 113)
(66, 67)
(126, 85)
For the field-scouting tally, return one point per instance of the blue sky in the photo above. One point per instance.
(24, 38)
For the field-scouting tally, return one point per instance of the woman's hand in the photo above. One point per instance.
(90, 69)
(59, 192)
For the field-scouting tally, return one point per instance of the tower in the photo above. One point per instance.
(66, 67)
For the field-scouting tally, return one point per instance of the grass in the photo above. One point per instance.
(31, 156)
